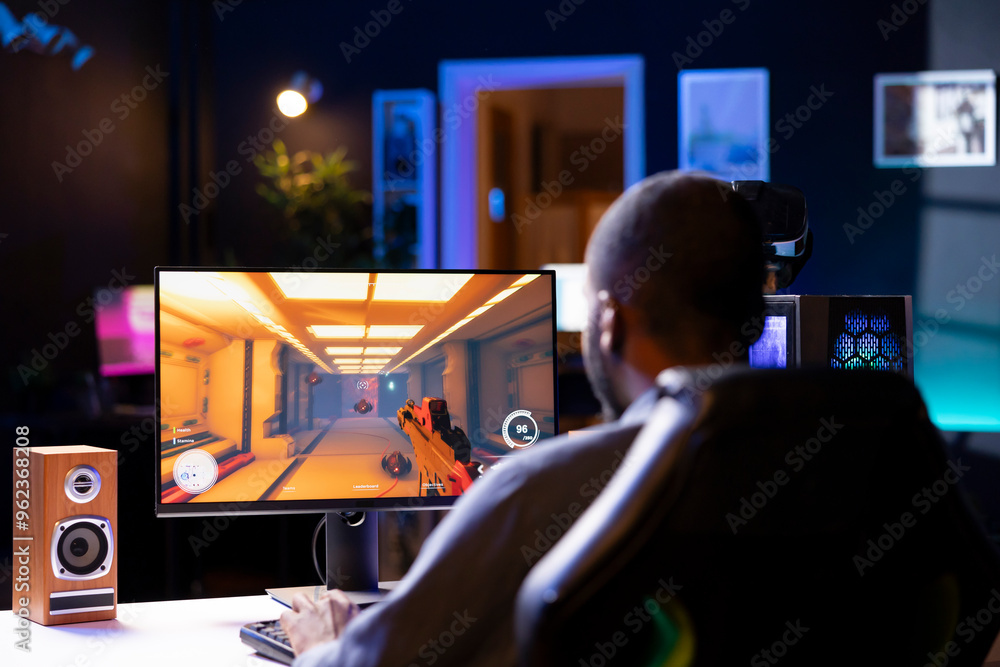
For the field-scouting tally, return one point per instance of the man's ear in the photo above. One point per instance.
(611, 324)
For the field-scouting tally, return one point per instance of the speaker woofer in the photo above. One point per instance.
(82, 548)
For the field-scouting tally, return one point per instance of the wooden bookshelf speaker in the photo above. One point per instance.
(65, 530)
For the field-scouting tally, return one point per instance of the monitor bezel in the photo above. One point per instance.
(325, 505)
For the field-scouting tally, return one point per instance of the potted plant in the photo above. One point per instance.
(320, 210)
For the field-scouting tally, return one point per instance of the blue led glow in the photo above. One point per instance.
(890, 347)
(880, 323)
(868, 346)
(868, 342)
(856, 322)
(844, 347)
(497, 203)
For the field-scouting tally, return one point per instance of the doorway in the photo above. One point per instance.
(525, 171)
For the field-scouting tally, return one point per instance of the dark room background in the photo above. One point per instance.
(207, 74)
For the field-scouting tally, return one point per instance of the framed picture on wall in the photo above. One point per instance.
(723, 123)
(404, 187)
(936, 119)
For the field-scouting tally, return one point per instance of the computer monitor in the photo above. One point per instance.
(850, 332)
(776, 345)
(344, 391)
(571, 314)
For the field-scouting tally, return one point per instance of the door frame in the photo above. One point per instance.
(463, 83)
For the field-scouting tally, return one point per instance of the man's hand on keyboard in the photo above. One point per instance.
(312, 622)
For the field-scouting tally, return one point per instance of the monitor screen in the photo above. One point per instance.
(771, 349)
(124, 323)
(346, 390)
(776, 345)
(571, 312)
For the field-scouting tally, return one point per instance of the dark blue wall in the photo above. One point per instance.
(119, 209)
(837, 47)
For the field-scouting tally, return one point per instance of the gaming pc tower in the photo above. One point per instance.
(849, 332)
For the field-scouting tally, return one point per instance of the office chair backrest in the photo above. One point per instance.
(807, 516)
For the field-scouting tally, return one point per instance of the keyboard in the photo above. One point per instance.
(268, 639)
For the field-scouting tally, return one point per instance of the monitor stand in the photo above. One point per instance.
(351, 561)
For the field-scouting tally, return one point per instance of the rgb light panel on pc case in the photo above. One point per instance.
(868, 334)
(338, 390)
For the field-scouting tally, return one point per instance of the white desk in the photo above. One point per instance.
(169, 634)
(147, 634)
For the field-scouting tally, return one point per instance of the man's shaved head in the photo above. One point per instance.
(675, 272)
(685, 250)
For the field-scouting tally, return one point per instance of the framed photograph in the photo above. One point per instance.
(936, 119)
(723, 119)
(404, 187)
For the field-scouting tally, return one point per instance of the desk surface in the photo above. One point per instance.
(154, 634)
(148, 634)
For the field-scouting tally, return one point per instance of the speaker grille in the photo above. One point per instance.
(82, 548)
(75, 602)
